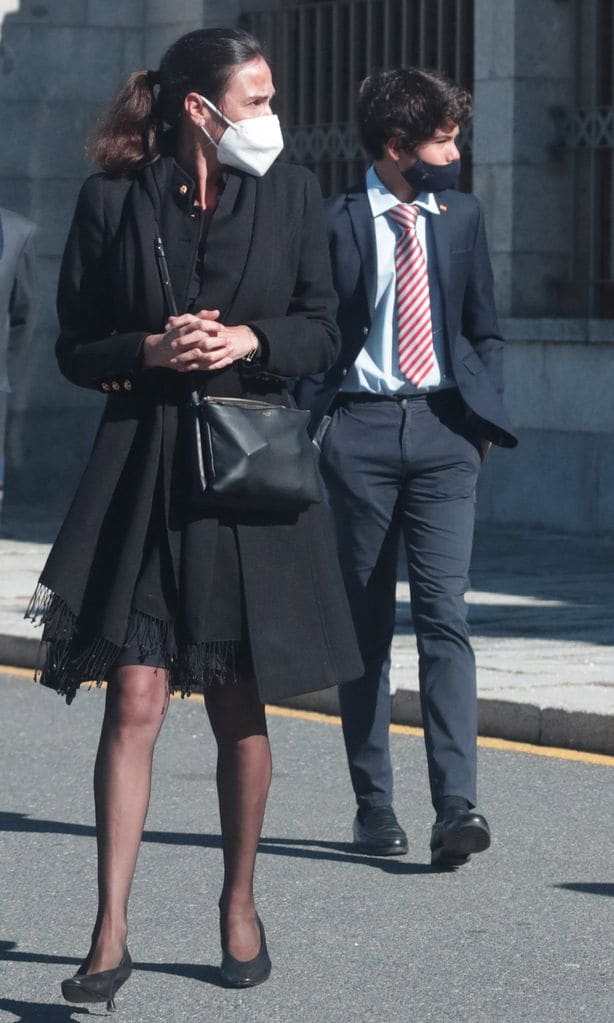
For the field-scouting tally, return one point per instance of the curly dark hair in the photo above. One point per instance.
(409, 103)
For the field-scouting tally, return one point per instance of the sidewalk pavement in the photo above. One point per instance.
(541, 609)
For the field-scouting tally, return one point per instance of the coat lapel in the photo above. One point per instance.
(228, 243)
(364, 235)
(441, 236)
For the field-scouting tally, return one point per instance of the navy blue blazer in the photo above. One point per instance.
(474, 343)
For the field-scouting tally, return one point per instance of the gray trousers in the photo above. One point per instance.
(407, 468)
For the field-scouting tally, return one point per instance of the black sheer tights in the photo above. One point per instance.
(243, 777)
(136, 705)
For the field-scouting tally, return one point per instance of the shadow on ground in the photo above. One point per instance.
(588, 887)
(572, 578)
(42, 1012)
(209, 974)
(296, 848)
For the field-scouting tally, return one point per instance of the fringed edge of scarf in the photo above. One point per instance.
(68, 663)
(205, 664)
(46, 608)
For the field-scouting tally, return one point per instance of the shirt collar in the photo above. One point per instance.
(382, 200)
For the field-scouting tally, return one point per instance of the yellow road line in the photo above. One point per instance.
(7, 669)
(484, 742)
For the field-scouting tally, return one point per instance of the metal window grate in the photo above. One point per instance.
(321, 51)
(587, 132)
(589, 128)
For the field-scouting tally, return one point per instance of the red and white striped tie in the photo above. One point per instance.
(415, 329)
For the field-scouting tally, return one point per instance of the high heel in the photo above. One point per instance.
(236, 973)
(98, 987)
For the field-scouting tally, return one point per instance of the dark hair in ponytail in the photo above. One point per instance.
(128, 135)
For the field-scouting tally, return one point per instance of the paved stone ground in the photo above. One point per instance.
(522, 934)
(542, 618)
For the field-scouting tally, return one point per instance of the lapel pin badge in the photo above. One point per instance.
(443, 208)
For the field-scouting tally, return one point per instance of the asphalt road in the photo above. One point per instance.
(522, 933)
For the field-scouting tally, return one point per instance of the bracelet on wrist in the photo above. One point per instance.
(253, 352)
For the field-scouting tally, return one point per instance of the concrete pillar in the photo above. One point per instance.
(557, 369)
(524, 67)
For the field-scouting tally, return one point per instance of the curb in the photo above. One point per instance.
(499, 719)
(19, 651)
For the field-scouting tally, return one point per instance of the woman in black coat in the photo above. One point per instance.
(141, 588)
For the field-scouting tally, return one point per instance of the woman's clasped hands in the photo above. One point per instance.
(197, 341)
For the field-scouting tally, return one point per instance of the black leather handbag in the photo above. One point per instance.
(246, 453)
(251, 454)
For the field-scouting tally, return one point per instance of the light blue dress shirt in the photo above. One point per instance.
(376, 369)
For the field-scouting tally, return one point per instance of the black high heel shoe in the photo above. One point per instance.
(246, 974)
(98, 987)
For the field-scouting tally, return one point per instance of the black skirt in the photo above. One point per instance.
(226, 652)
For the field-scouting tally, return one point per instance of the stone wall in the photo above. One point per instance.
(557, 370)
(524, 69)
(60, 62)
(559, 393)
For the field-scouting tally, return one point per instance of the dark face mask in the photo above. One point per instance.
(432, 177)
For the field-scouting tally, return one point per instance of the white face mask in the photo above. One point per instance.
(250, 145)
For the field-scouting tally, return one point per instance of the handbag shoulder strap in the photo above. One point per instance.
(169, 295)
(167, 285)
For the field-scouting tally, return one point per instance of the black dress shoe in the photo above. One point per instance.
(377, 832)
(237, 973)
(454, 838)
(88, 988)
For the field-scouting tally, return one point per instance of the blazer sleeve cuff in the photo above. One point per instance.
(113, 364)
(294, 346)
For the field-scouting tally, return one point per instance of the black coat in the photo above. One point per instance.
(266, 264)
(465, 277)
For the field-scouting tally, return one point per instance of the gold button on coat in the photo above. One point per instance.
(183, 189)
(116, 386)
(106, 387)
(127, 385)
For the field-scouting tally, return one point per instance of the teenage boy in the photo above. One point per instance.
(415, 402)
